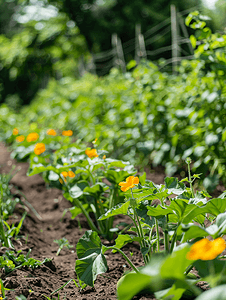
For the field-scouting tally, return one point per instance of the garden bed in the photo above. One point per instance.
(39, 235)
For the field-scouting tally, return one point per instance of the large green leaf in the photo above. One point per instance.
(131, 284)
(89, 267)
(88, 243)
(159, 195)
(96, 189)
(161, 273)
(120, 208)
(174, 186)
(117, 176)
(193, 231)
(214, 207)
(158, 211)
(216, 293)
(175, 265)
(75, 191)
(207, 269)
(173, 293)
(91, 260)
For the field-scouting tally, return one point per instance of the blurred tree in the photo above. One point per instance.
(8, 25)
(217, 15)
(99, 19)
(42, 49)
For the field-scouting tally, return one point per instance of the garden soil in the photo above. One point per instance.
(38, 234)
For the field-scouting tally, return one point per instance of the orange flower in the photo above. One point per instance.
(15, 131)
(32, 137)
(91, 153)
(20, 138)
(61, 181)
(71, 174)
(39, 148)
(64, 173)
(129, 184)
(51, 132)
(206, 250)
(67, 132)
(104, 156)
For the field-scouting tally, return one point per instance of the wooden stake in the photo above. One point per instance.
(174, 29)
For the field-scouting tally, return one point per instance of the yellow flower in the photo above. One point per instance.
(32, 137)
(104, 156)
(20, 138)
(39, 148)
(15, 131)
(206, 250)
(129, 184)
(67, 132)
(91, 153)
(71, 174)
(51, 132)
(61, 181)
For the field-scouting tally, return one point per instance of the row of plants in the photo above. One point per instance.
(172, 234)
(144, 115)
(10, 225)
(141, 116)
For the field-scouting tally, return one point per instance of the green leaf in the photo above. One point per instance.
(173, 293)
(39, 168)
(142, 212)
(216, 293)
(193, 231)
(88, 243)
(124, 239)
(91, 260)
(175, 265)
(158, 211)
(159, 195)
(131, 284)
(142, 178)
(116, 163)
(121, 208)
(193, 41)
(76, 210)
(116, 176)
(208, 269)
(96, 190)
(75, 192)
(131, 64)
(187, 212)
(89, 267)
(174, 186)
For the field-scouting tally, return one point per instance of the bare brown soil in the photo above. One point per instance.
(39, 235)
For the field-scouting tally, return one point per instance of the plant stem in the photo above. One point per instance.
(174, 239)
(166, 241)
(126, 258)
(90, 222)
(157, 233)
(111, 219)
(139, 227)
(189, 268)
(142, 236)
(189, 178)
